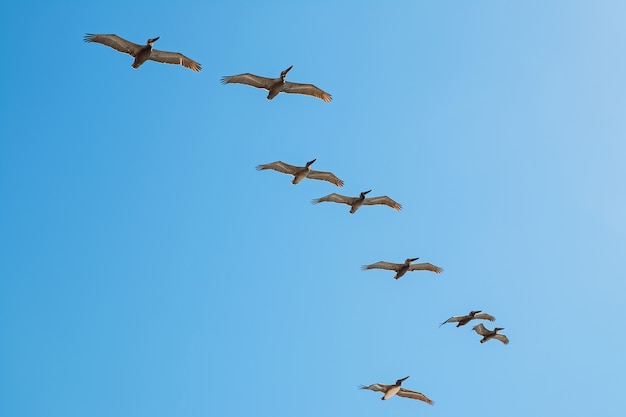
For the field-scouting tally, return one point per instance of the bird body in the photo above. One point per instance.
(473, 315)
(396, 389)
(277, 85)
(300, 173)
(356, 202)
(403, 268)
(143, 53)
(490, 334)
(391, 392)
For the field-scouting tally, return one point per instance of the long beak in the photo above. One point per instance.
(406, 377)
(153, 39)
(282, 74)
(365, 192)
(310, 162)
(413, 259)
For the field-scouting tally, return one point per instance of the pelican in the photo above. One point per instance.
(490, 334)
(473, 315)
(142, 53)
(402, 269)
(300, 173)
(277, 85)
(357, 202)
(395, 389)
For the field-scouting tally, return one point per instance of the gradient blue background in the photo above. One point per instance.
(147, 269)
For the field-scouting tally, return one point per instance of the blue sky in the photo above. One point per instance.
(147, 268)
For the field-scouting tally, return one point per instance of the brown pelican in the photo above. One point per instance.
(277, 85)
(490, 334)
(357, 202)
(142, 53)
(402, 269)
(300, 173)
(395, 389)
(473, 315)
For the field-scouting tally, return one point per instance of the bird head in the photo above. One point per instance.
(308, 164)
(474, 312)
(498, 328)
(409, 260)
(283, 74)
(399, 381)
(365, 192)
(152, 40)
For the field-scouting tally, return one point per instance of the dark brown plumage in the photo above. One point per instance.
(356, 202)
(277, 85)
(143, 53)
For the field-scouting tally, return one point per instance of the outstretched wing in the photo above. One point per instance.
(382, 200)
(279, 166)
(249, 79)
(453, 320)
(115, 42)
(375, 387)
(174, 58)
(484, 316)
(502, 338)
(425, 266)
(325, 176)
(406, 393)
(382, 265)
(308, 89)
(481, 330)
(334, 198)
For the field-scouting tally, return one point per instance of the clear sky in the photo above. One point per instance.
(147, 268)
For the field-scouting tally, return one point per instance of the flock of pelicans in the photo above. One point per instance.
(143, 53)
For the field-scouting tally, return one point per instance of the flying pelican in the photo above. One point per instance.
(395, 389)
(300, 173)
(490, 334)
(402, 269)
(142, 53)
(473, 315)
(277, 85)
(357, 202)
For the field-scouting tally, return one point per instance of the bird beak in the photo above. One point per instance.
(414, 259)
(406, 377)
(365, 192)
(287, 70)
(310, 162)
(154, 39)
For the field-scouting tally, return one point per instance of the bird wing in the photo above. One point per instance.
(453, 320)
(375, 387)
(115, 42)
(249, 79)
(279, 166)
(174, 58)
(481, 330)
(502, 338)
(484, 316)
(382, 200)
(325, 176)
(425, 266)
(382, 265)
(308, 89)
(406, 393)
(334, 198)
